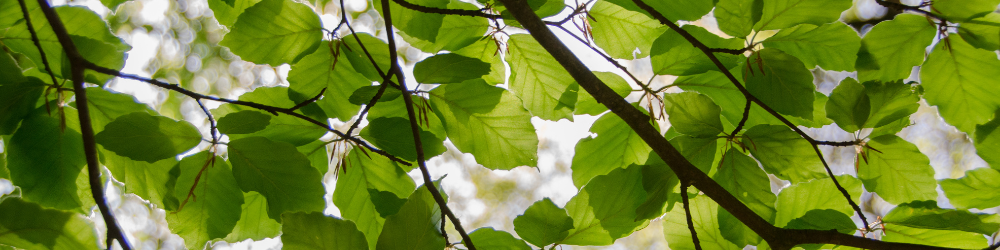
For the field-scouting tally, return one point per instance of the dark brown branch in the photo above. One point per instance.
(743, 121)
(211, 121)
(687, 215)
(778, 238)
(427, 9)
(86, 128)
(903, 7)
(415, 129)
(307, 102)
(730, 51)
(838, 143)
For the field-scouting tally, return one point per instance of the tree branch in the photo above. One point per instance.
(687, 215)
(427, 9)
(415, 129)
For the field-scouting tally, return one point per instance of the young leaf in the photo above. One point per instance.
(29, 226)
(974, 190)
(489, 238)
(275, 32)
(488, 122)
(317, 231)
(782, 82)
(704, 214)
(45, 161)
(784, 14)
(620, 31)
(900, 173)
(890, 101)
(210, 200)
(449, 68)
(543, 223)
(849, 106)
(395, 137)
(693, 114)
(926, 214)
(983, 32)
(784, 153)
(737, 17)
(325, 69)
(798, 199)
(354, 191)
(605, 209)
(243, 122)
(538, 80)
(833, 46)
(891, 49)
(279, 172)
(961, 80)
(143, 137)
(672, 10)
(616, 146)
(415, 226)
(959, 10)
(673, 55)
(931, 237)
(254, 223)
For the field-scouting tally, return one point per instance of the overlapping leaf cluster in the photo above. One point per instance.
(268, 180)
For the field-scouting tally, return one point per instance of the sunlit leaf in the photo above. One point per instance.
(620, 31)
(538, 80)
(415, 226)
(849, 105)
(693, 114)
(29, 226)
(449, 68)
(673, 55)
(254, 223)
(489, 238)
(354, 196)
(926, 214)
(317, 231)
(959, 10)
(616, 146)
(278, 172)
(931, 237)
(324, 69)
(961, 80)
(455, 32)
(788, 13)
(900, 173)
(704, 213)
(283, 128)
(44, 161)
(395, 136)
(543, 223)
(243, 122)
(824, 219)
(586, 104)
(983, 32)
(210, 197)
(604, 210)
(144, 137)
(798, 199)
(275, 32)
(891, 48)
(781, 81)
(784, 153)
(974, 190)
(832, 46)
(17, 100)
(737, 17)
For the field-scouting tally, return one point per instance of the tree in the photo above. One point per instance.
(740, 117)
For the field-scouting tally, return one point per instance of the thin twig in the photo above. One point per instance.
(904, 7)
(743, 121)
(211, 121)
(687, 215)
(41, 52)
(838, 143)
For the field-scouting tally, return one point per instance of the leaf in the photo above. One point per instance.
(365, 94)
(987, 140)
(354, 197)
(604, 210)
(824, 219)
(17, 100)
(488, 122)
(487, 51)
(890, 101)
(620, 31)
(833, 46)
(900, 173)
(543, 223)
(724, 93)
(317, 154)
(659, 182)
(275, 32)
(449, 68)
(616, 146)
(587, 105)
(926, 214)
(782, 82)
(672, 54)
(356, 54)
(693, 114)
(974, 190)
(44, 161)
(243, 122)
(819, 118)
(788, 13)
(227, 11)
(982, 32)
(931, 237)
(672, 9)
(106, 106)
(743, 178)
(489, 238)
(414, 227)
(784, 153)
(962, 83)
(417, 24)
(963, 10)
(323, 69)
(283, 128)
(395, 136)
(279, 172)
(211, 200)
(151, 181)
(891, 48)
(538, 80)
(455, 32)
(737, 17)
(396, 107)
(29, 226)
(254, 223)
(704, 212)
(849, 106)
(144, 137)
(798, 199)
(317, 231)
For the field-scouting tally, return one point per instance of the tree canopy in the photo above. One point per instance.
(719, 144)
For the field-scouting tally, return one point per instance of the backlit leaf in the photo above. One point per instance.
(787, 13)
(961, 80)
(278, 172)
(274, 32)
(620, 31)
(538, 80)
(317, 231)
(782, 82)
(832, 46)
(211, 200)
(449, 68)
(144, 137)
(29, 226)
(891, 48)
(900, 173)
(616, 146)
(974, 190)
(543, 223)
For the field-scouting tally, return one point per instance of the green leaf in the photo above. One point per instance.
(798, 199)
(455, 32)
(395, 136)
(415, 226)
(784, 14)
(151, 181)
(17, 100)
(354, 191)
(449, 68)
(975, 190)
(356, 54)
(10, 13)
(488, 122)
(396, 107)
(982, 32)
(693, 114)
(890, 101)
(543, 223)
(275, 32)
(704, 214)
(487, 51)
(210, 200)
(832, 46)
(29, 226)
(489, 238)
(416, 24)
(673, 10)
(819, 118)
(891, 48)
(243, 122)
(900, 173)
(724, 93)
(538, 80)
(673, 55)
(605, 209)
(931, 237)
(44, 161)
(824, 219)
(987, 140)
(849, 106)
(587, 105)
(699, 151)
(620, 31)
(616, 146)
(961, 80)
(318, 157)
(279, 172)
(958, 10)
(226, 11)
(659, 182)
(324, 69)
(926, 214)
(144, 137)
(106, 106)
(784, 153)
(283, 128)
(741, 176)
(365, 94)
(737, 17)
(254, 223)
(782, 82)
(317, 231)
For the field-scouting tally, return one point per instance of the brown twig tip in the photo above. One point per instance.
(428, 9)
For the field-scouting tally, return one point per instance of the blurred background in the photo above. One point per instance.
(177, 41)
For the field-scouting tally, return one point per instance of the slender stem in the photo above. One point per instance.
(34, 38)
(746, 115)
(687, 215)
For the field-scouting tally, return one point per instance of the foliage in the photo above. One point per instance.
(744, 95)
